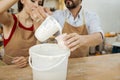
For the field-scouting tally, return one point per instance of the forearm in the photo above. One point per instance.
(6, 4)
(94, 39)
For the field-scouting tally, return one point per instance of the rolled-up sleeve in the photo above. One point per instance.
(93, 23)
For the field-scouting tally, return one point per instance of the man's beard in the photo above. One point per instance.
(70, 4)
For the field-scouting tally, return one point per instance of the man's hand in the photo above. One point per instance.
(74, 41)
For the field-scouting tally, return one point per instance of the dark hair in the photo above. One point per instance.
(20, 6)
(42, 3)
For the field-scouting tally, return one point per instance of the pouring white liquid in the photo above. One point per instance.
(47, 29)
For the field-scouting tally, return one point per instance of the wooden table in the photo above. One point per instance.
(105, 67)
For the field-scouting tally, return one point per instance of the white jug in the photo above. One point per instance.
(48, 27)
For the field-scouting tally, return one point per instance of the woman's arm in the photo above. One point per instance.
(5, 17)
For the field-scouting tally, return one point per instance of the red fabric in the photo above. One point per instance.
(31, 28)
(14, 27)
(13, 30)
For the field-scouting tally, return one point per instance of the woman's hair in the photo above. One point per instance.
(20, 6)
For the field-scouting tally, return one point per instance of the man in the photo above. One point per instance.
(83, 28)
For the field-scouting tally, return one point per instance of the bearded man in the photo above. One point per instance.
(83, 28)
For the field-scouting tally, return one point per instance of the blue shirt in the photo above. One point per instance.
(91, 19)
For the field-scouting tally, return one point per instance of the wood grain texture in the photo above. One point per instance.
(106, 67)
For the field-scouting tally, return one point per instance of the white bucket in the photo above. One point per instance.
(47, 29)
(48, 62)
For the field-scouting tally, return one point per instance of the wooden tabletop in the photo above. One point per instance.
(105, 67)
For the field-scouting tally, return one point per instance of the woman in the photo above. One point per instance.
(18, 29)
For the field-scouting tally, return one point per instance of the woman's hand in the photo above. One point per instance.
(39, 14)
(20, 61)
(47, 10)
(74, 41)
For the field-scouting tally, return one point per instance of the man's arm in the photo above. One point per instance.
(74, 40)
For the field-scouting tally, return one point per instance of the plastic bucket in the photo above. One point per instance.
(48, 62)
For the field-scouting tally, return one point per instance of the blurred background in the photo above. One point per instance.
(108, 10)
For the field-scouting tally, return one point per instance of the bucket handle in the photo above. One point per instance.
(46, 68)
